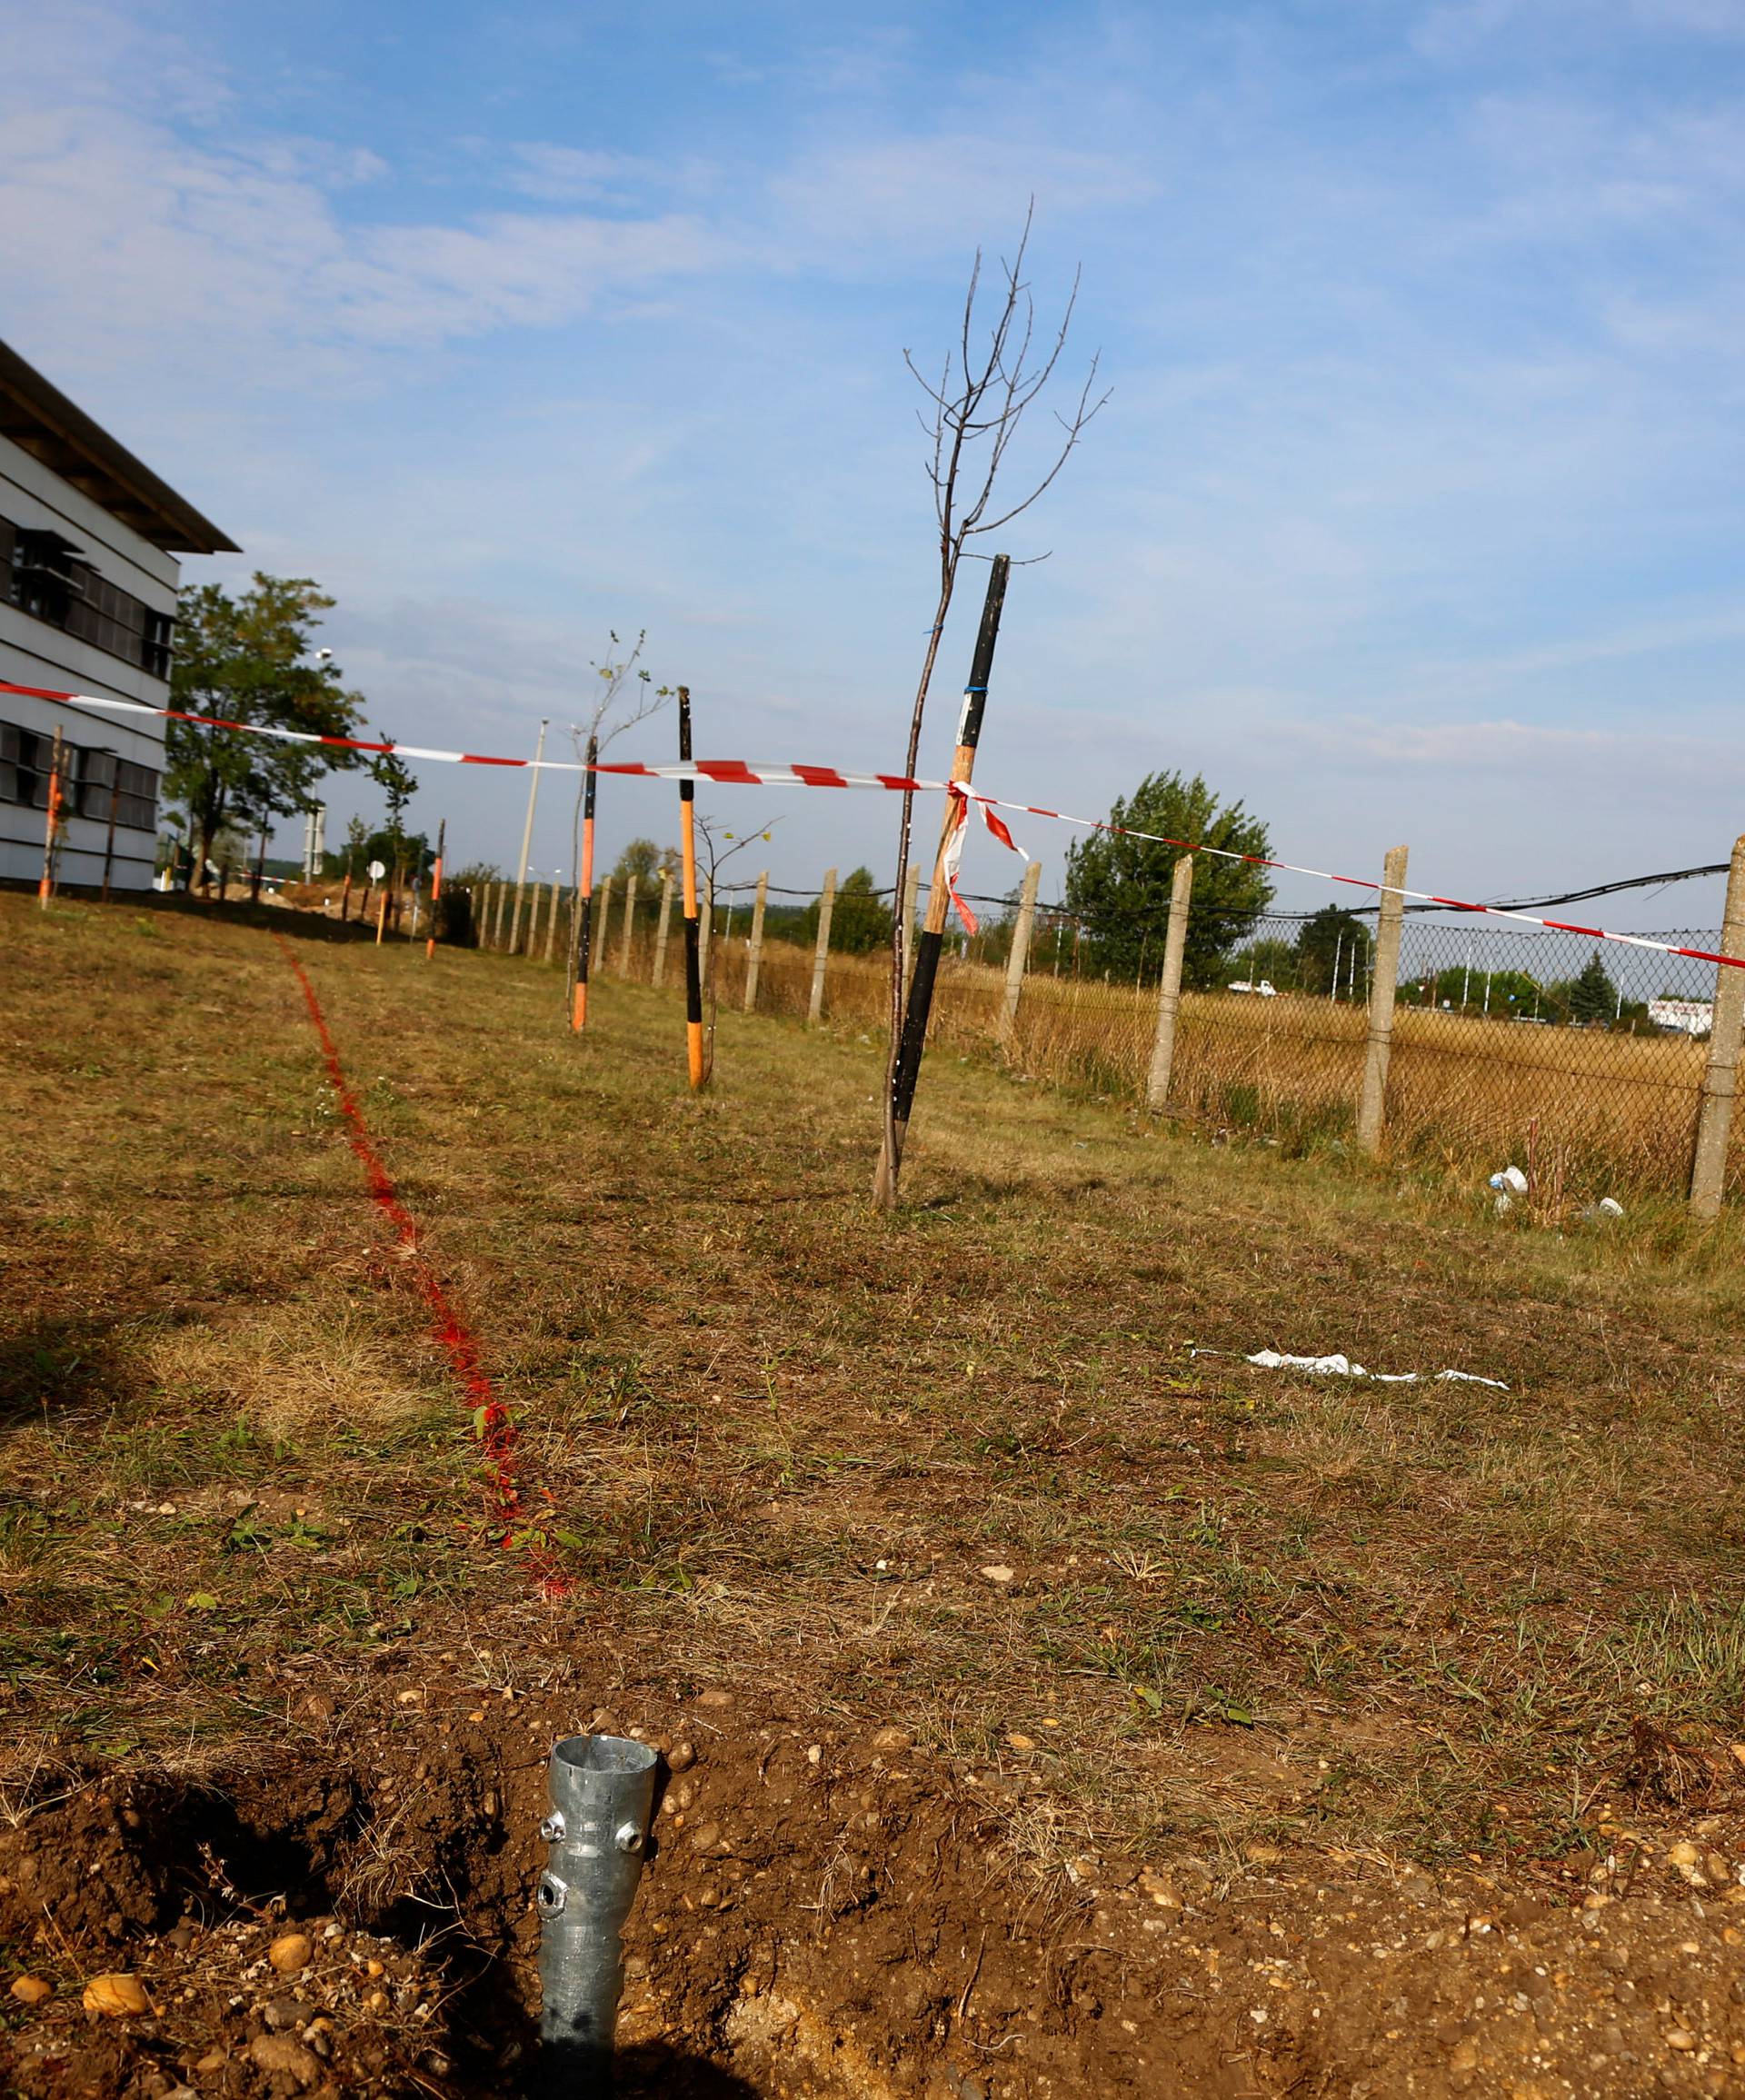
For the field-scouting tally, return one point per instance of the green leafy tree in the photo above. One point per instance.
(860, 920)
(648, 862)
(250, 658)
(403, 854)
(1122, 885)
(1334, 944)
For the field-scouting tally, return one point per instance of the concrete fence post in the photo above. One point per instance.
(660, 925)
(630, 924)
(605, 908)
(820, 955)
(1169, 992)
(1371, 1106)
(1720, 1074)
(1018, 960)
(754, 952)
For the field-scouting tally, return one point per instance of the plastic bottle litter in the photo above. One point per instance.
(1512, 1179)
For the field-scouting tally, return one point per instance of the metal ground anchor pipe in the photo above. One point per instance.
(602, 1792)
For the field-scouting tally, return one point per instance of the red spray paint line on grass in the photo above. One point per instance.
(492, 1424)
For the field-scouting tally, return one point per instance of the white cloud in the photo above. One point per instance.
(569, 174)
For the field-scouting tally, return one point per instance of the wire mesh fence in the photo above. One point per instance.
(1582, 1061)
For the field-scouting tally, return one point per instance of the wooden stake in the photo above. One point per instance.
(1720, 1074)
(911, 893)
(51, 826)
(109, 841)
(552, 919)
(1168, 993)
(1371, 1104)
(584, 898)
(345, 897)
(630, 921)
(1019, 956)
(658, 975)
(382, 916)
(688, 852)
(755, 952)
(503, 905)
(706, 929)
(821, 953)
(436, 888)
(919, 1007)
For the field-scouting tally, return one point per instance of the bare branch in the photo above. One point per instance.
(973, 418)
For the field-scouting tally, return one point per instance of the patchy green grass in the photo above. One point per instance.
(776, 1439)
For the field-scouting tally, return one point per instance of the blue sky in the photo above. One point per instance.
(1416, 512)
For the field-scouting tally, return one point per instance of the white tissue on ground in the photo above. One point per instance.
(1342, 1367)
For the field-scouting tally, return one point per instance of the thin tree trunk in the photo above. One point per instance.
(885, 1182)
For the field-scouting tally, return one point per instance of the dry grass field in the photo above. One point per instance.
(1171, 1653)
(1602, 1113)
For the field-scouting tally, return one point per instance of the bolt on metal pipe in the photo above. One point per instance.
(601, 1793)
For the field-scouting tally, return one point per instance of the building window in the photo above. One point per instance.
(48, 576)
(88, 779)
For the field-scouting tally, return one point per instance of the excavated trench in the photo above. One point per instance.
(824, 1913)
(821, 1914)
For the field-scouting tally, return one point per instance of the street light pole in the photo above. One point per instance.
(527, 838)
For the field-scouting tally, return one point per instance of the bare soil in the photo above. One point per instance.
(1048, 1708)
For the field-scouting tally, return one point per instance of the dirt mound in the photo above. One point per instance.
(824, 1913)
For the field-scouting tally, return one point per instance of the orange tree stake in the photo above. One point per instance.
(585, 894)
(51, 829)
(436, 889)
(688, 849)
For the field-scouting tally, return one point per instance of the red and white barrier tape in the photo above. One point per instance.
(736, 772)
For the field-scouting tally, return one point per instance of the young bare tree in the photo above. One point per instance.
(712, 860)
(973, 415)
(626, 695)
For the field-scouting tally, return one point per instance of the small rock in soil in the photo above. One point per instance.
(290, 1952)
(32, 1990)
(714, 1698)
(286, 2013)
(117, 1997)
(680, 1757)
(279, 2052)
(894, 1739)
(998, 1574)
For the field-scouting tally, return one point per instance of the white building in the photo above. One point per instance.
(88, 575)
(1685, 1016)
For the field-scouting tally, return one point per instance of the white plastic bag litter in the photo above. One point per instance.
(1342, 1367)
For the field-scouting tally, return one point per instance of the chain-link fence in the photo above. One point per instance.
(1582, 1061)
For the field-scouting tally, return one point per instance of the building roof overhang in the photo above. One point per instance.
(46, 424)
